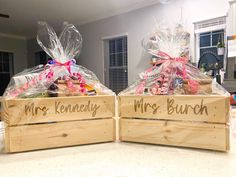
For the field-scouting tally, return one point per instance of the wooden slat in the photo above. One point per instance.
(175, 133)
(6, 139)
(207, 108)
(38, 110)
(43, 136)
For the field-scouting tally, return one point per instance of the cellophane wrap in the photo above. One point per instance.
(172, 73)
(61, 76)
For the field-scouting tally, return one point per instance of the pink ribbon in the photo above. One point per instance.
(165, 57)
(66, 64)
(70, 84)
(49, 77)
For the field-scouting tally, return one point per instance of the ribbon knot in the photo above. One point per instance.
(66, 64)
(167, 58)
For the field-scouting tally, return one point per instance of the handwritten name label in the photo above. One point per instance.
(172, 106)
(145, 107)
(32, 110)
(69, 108)
(175, 108)
(59, 108)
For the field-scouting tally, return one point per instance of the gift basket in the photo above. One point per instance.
(172, 102)
(60, 103)
(61, 76)
(172, 74)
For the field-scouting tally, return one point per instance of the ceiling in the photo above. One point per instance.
(24, 14)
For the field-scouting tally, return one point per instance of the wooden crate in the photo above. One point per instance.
(185, 120)
(42, 123)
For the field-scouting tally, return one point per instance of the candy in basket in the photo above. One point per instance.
(172, 73)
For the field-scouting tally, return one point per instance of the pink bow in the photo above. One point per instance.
(70, 84)
(66, 64)
(49, 78)
(165, 57)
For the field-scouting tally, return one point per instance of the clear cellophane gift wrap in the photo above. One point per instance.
(172, 74)
(61, 76)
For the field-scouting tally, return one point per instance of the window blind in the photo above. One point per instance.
(118, 71)
(210, 25)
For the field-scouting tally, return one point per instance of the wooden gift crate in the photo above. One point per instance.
(42, 123)
(184, 120)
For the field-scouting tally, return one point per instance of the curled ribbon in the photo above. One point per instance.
(193, 85)
(49, 78)
(70, 85)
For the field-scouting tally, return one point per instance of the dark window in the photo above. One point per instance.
(118, 75)
(205, 40)
(208, 43)
(210, 39)
(41, 58)
(6, 69)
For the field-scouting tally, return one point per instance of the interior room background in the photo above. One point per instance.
(129, 27)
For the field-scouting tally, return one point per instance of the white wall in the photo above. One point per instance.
(231, 20)
(18, 47)
(137, 24)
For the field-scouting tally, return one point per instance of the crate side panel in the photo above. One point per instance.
(28, 111)
(175, 133)
(43, 136)
(189, 108)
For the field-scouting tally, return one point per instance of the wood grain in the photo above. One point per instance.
(43, 136)
(217, 107)
(56, 109)
(175, 133)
